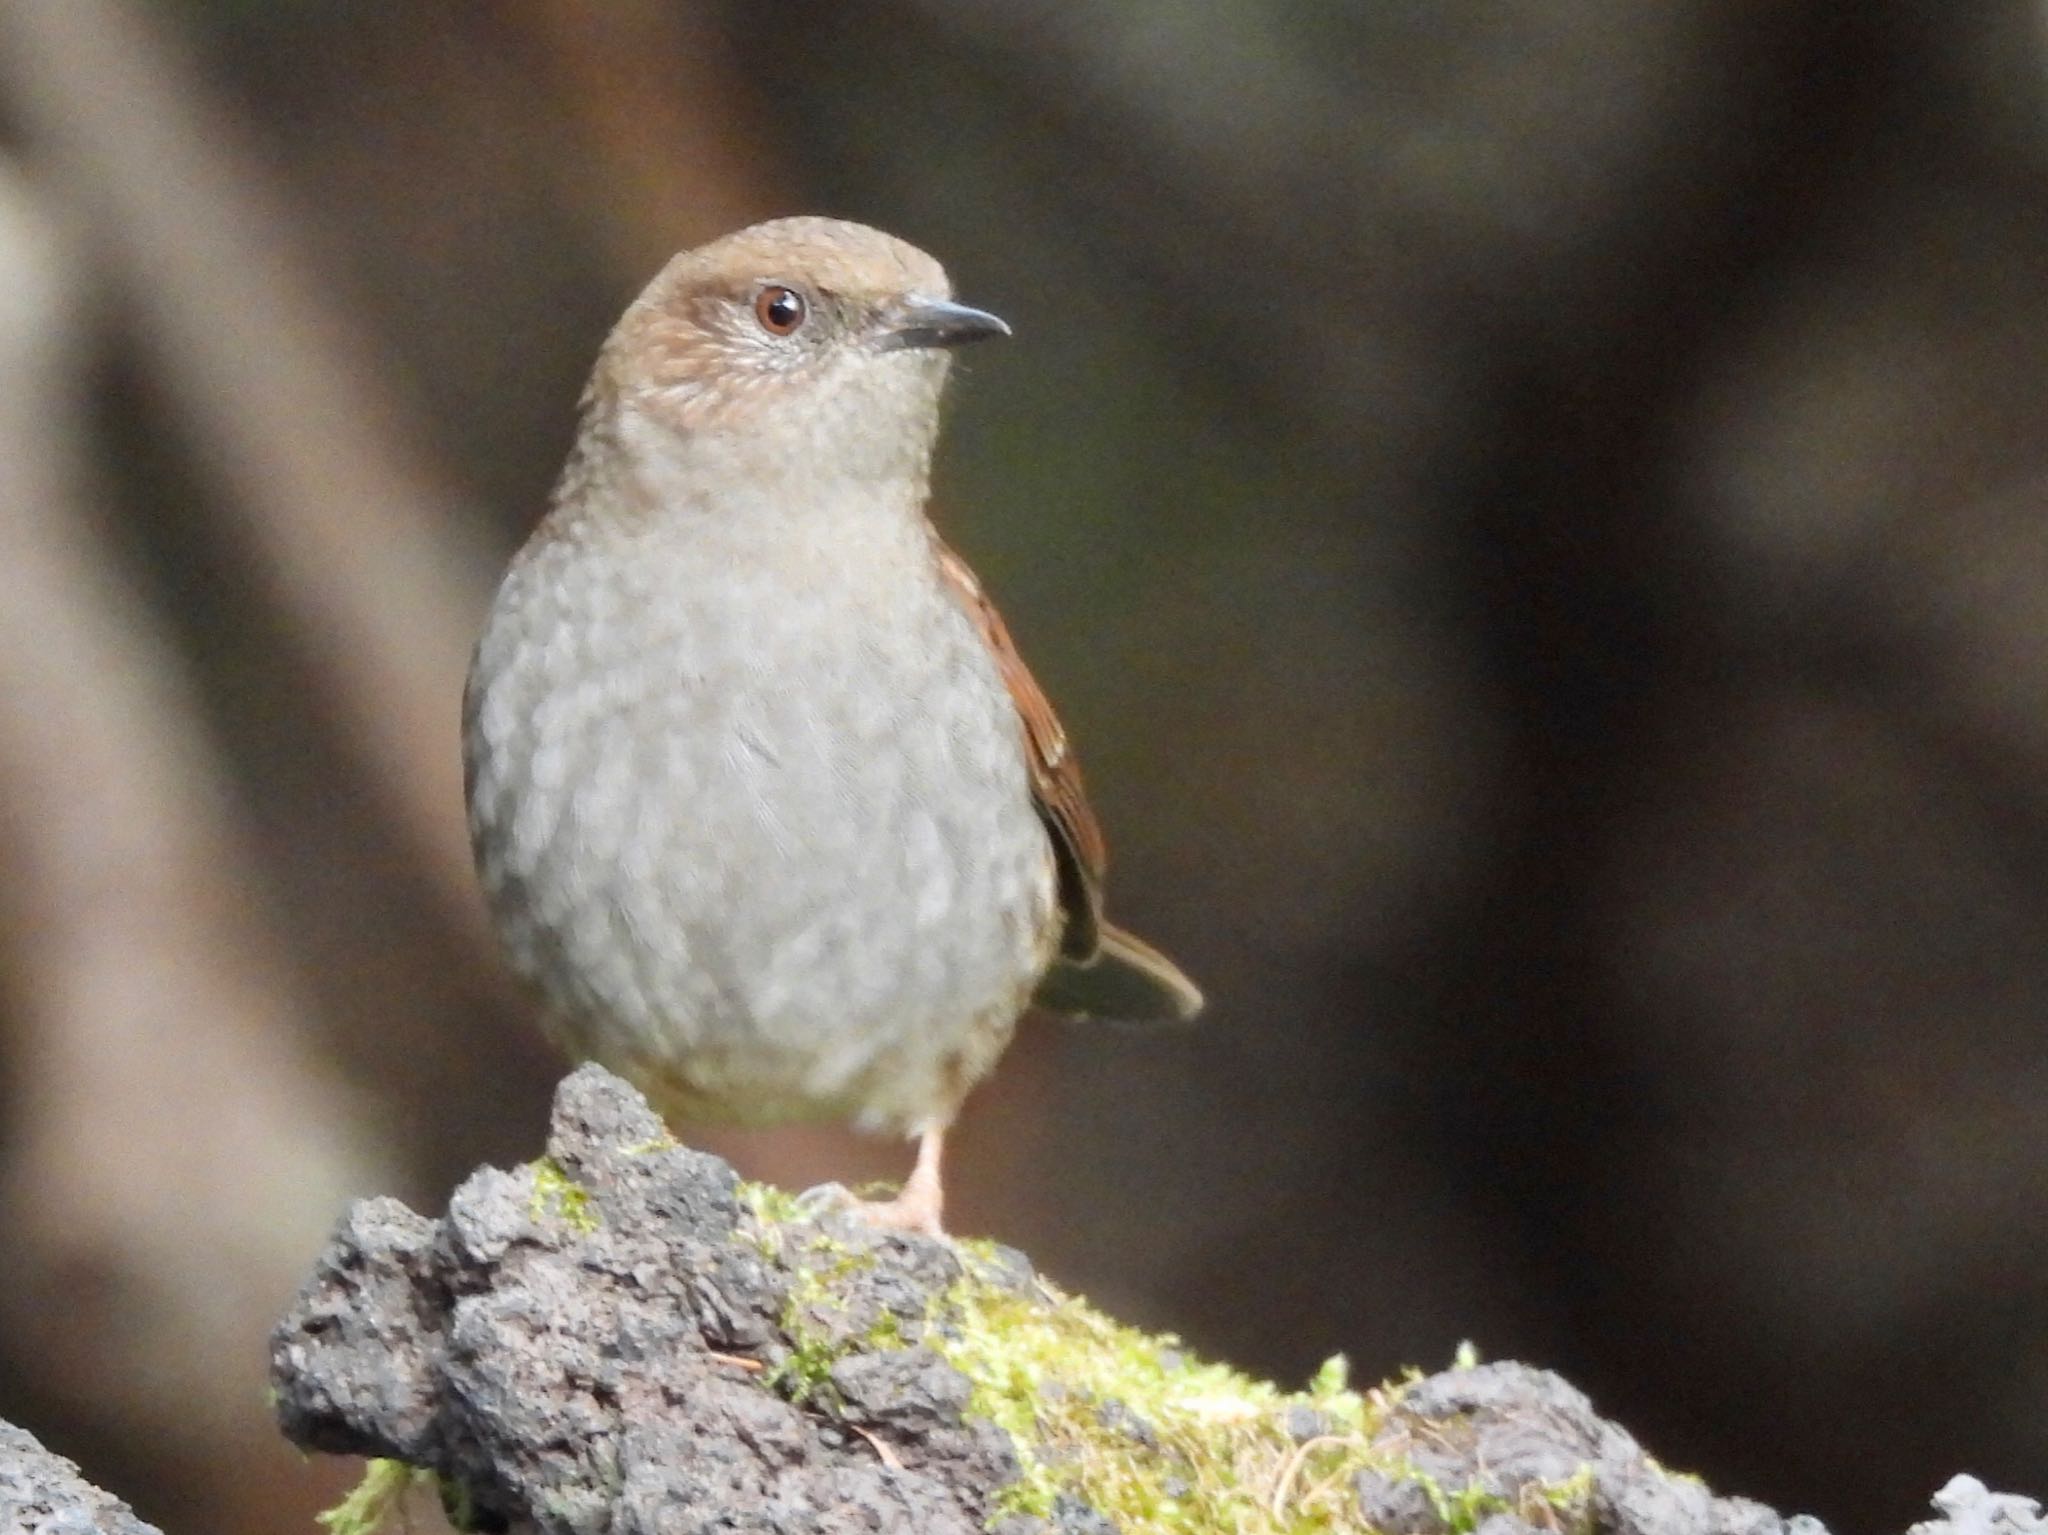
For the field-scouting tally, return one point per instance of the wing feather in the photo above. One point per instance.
(1056, 786)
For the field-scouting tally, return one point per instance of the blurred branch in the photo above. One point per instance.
(164, 1109)
(360, 548)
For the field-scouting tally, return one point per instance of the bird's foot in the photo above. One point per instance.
(916, 1210)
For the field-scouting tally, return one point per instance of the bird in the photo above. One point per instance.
(766, 807)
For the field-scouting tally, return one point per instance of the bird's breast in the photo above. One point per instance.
(768, 805)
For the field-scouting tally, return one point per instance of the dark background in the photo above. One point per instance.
(1531, 510)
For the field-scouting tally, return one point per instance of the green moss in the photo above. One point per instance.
(458, 1505)
(381, 1492)
(558, 1195)
(815, 1318)
(805, 1373)
(1569, 1501)
(1164, 1443)
(1129, 1423)
(1677, 1476)
(769, 1210)
(374, 1498)
(1215, 1452)
(770, 1205)
(648, 1147)
(1565, 1506)
(1462, 1509)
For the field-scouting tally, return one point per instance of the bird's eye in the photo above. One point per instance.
(780, 310)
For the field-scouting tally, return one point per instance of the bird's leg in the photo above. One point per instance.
(919, 1205)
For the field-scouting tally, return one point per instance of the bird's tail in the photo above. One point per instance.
(1127, 981)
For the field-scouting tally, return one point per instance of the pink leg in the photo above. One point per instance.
(919, 1206)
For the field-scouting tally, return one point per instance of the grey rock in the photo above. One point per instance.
(1395, 1506)
(735, 1295)
(590, 1345)
(910, 1390)
(1513, 1434)
(1119, 1419)
(43, 1494)
(1305, 1423)
(620, 1152)
(1009, 1269)
(371, 1303)
(1070, 1516)
(1968, 1507)
(581, 1346)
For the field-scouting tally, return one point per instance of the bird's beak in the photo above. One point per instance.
(939, 322)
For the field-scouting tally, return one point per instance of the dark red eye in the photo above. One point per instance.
(780, 310)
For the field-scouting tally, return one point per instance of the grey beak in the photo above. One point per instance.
(939, 322)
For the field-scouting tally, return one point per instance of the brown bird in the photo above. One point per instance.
(764, 801)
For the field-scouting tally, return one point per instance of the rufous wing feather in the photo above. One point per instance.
(1101, 971)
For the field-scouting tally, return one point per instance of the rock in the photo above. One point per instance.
(620, 1339)
(589, 1342)
(43, 1494)
(1505, 1442)
(1968, 1507)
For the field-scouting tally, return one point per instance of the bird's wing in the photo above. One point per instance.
(1101, 970)
(1056, 786)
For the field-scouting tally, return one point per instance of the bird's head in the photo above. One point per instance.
(791, 345)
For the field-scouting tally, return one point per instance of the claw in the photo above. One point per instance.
(919, 1208)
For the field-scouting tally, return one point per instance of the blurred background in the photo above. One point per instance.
(1532, 511)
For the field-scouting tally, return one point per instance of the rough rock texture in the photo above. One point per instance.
(1507, 1430)
(1968, 1507)
(612, 1341)
(43, 1494)
(605, 1341)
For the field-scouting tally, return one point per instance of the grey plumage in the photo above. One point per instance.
(752, 802)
